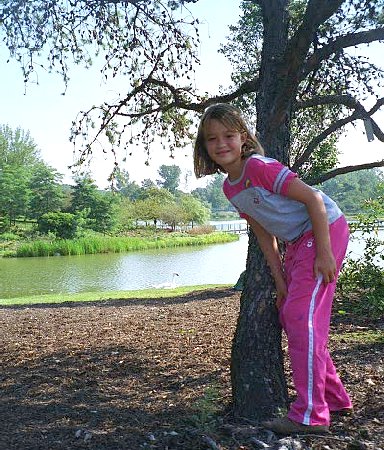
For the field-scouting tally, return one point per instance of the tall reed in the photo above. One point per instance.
(103, 244)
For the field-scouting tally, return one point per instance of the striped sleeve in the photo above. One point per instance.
(271, 175)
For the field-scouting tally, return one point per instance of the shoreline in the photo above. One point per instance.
(103, 296)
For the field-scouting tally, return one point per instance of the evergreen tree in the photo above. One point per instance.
(352, 190)
(169, 177)
(46, 192)
(212, 194)
(14, 192)
(96, 208)
(18, 157)
(17, 148)
(124, 186)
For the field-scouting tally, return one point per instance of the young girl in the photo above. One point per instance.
(277, 205)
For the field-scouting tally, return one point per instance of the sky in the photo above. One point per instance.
(41, 109)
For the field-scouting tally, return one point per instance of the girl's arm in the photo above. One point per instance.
(325, 263)
(270, 249)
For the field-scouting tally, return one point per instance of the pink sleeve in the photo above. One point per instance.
(271, 175)
(291, 176)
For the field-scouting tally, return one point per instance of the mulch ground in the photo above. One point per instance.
(134, 375)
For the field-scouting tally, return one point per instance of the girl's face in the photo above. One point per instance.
(224, 147)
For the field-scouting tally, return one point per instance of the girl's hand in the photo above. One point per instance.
(281, 292)
(270, 249)
(325, 265)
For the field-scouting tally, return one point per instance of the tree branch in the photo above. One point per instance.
(317, 12)
(342, 42)
(346, 100)
(342, 170)
(177, 98)
(294, 57)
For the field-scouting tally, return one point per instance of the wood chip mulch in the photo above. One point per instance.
(135, 374)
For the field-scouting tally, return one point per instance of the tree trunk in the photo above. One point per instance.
(257, 371)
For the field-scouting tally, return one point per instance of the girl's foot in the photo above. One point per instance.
(284, 425)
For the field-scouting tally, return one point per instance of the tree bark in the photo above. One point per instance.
(257, 371)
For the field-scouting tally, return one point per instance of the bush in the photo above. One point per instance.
(9, 237)
(4, 223)
(203, 229)
(361, 286)
(62, 225)
(361, 282)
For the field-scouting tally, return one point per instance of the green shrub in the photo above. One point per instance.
(62, 225)
(104, 244)
(4, 223)
(361, 282)
(361, 286)
(9, 237)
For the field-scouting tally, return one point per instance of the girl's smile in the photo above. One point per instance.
(224, 146)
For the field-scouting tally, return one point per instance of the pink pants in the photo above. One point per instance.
(305, 317)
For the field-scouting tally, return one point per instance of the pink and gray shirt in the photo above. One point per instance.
(260, 193)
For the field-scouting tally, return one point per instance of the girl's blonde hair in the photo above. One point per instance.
(230, 117)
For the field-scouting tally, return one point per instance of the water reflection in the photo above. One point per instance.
(214, 264)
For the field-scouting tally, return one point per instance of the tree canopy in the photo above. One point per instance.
(27, 185)
(352, 190)
(169, 177)
(309, 50)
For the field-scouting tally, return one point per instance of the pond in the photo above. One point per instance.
(213, 264)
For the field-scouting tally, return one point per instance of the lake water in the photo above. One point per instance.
(213, 264)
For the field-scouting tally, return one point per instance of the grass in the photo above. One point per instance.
(361, 336)
(103, 244)
(104, 295)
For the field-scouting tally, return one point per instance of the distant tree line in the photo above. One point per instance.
(32, 190)
(352, 190)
